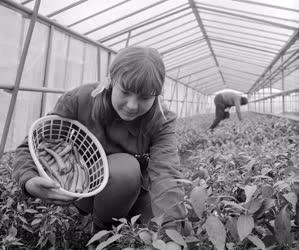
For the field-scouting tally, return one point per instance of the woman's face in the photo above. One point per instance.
(129, 105)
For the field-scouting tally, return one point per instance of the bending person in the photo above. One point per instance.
(138, 136)
(223, 102)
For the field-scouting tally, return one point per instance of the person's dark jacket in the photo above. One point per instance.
(126, 137)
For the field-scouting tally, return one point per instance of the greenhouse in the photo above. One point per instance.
(240, 180)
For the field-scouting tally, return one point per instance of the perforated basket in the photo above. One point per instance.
(89, 148)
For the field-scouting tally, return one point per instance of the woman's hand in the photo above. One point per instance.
(47, 190)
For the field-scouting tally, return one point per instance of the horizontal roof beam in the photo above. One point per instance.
(190, 62)
(241, 61)
(152, 28)
(268, 5)
(97, 13)
(124, 17)
(238, 70)
(244, 33)
(203, 30)
(244, 27)
(242, 45)
(196, 72)
(249, 18)
(66, 8)
(248, 12)
(182, 46)
(148, 21)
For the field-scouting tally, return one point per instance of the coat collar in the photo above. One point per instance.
(133, 127)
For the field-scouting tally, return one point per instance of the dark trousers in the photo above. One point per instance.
(122, 197)
(220, 113)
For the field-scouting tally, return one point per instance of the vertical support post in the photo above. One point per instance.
(108, 63)
(15, 91)
(83, 63)
(177, 99)
(128, 39)
(282, 86)
(172, 94)
(197, 103)
(173, 90)
(192, 104)
(99, 63)
(264, 100)
(248, 96)
(259, 102)
(254, 101)
(271, 99)
(292, 106)
(203, 102)
(183, 102)
(206, 105)
(46, 72)
(187, 103)
(67, 60)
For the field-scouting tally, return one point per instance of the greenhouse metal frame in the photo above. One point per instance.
(207, 46)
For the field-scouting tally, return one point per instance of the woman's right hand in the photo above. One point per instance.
(47, 190)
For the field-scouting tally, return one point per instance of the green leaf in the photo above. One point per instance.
(159, 244)
(198, 199)
(283, 227)
(52, 238)
(146, 236)
(176, 236)
(158, 220)
(16, 243)
(292, 198)
(249, 191)
(119, 227)
(266, 170)
(245, 225)
(234, 204)
(35, 221)
(267, 191)
(249, 165)
(23, 219)
(31, 211)
(266, 205)
(255, 205)
(256, 241)
(27, 228)
(12, 231)
(281, 185)
(231, 225)
(216, 232)
(122, 220)
(109, 241)
(98, 236)
(134, 219)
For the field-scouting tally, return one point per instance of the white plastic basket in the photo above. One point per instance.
(89, 148)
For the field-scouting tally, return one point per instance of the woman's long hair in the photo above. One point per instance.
(137, 69)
